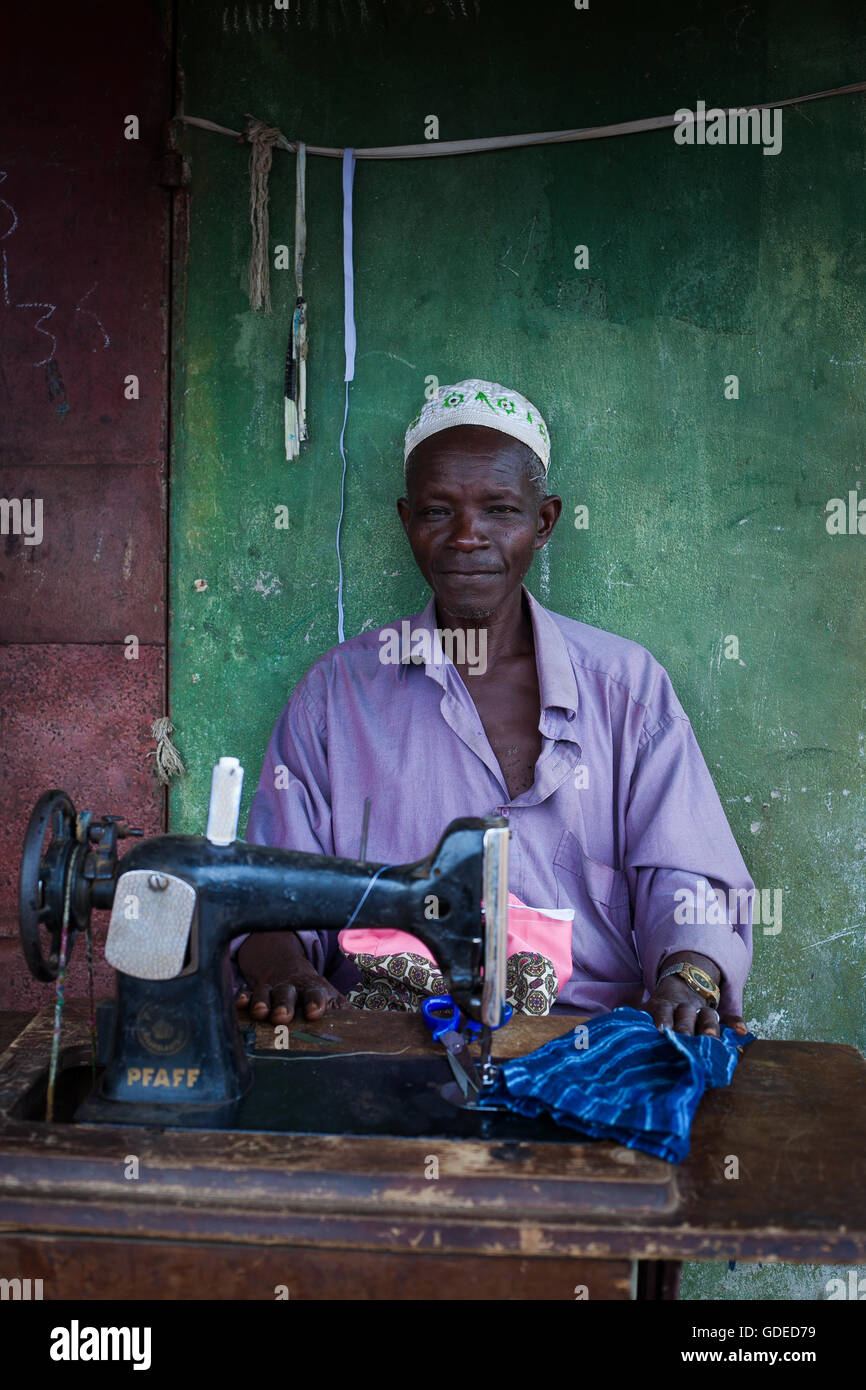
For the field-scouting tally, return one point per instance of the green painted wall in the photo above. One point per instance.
(706, 515)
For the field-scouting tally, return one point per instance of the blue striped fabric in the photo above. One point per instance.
(629, 1082)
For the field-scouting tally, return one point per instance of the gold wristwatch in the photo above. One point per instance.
(696, 979)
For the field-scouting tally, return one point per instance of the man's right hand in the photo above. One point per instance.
(280, 978)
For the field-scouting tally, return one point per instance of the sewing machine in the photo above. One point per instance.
(317, 1172)
(172, 1049)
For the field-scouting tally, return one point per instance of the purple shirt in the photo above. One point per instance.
(622, 822)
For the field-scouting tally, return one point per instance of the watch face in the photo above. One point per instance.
(701, 983)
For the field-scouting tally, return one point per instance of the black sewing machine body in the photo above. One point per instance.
(172, 1046)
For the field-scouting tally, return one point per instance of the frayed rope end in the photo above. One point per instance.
(167, 760)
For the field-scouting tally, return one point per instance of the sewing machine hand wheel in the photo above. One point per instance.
(74, 872)
(43, 882)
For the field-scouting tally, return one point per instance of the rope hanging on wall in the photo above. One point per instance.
(167, 760)
(261, 139)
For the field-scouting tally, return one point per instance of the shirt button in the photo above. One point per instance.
(569, 714)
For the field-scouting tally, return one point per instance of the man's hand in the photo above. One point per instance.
(674, 1004)
(280, 977)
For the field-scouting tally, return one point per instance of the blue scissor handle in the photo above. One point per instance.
(442, 1015)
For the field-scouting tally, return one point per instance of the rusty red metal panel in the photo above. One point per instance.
(75, 322)
(95, 569)
(83, 235)
(77, 718)
(70, 68)
(84, 281)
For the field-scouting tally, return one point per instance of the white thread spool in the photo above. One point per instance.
(225, 802)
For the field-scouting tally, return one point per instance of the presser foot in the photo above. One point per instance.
(453, 1094)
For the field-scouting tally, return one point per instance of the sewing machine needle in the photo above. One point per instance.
(486, 1038)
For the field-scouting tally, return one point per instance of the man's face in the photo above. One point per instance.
(472, 519)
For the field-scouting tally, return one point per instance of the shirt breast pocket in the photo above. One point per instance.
(602, 914)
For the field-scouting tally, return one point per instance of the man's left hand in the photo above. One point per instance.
(674, 1004)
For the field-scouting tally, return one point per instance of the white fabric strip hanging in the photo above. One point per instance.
(349, 342)
(301, 306)
(295, 390)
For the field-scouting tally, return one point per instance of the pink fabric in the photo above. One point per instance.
(545, 931)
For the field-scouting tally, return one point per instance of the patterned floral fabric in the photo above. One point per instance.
(404, 979)
(530, 983)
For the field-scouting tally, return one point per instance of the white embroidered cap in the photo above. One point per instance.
(475, 402)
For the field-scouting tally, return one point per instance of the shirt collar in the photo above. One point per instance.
(556, 680)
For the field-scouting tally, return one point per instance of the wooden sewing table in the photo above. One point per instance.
(237, 1215)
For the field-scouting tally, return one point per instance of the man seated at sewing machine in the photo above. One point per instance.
(573, 733)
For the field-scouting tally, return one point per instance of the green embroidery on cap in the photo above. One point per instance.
(539, 424)
(504, 406)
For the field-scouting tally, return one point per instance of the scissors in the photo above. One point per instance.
(445, 1022)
